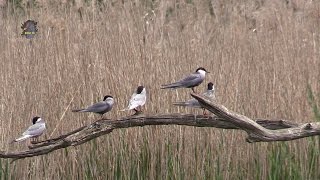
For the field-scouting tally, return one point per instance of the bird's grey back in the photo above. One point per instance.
(35, 130)
(210, 94)
(193, 103)
(191, 80)
(100, 107)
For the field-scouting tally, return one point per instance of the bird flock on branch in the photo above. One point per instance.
(137, 100)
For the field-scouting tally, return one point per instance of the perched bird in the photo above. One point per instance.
(138, 99)
(209, 94)
(34, 131)
(190, 81)
(99, 107)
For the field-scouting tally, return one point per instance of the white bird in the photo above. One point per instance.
(35, 130)
(190, 81)
(99, 107)
(138, 99)
(209, 94)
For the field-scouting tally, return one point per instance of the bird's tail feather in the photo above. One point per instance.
(22, 138)
(173, 85)
(77, 110)
(180, 104)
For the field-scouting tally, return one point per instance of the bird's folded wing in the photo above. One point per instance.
(98, 107)
(190, 79)
(34, 129)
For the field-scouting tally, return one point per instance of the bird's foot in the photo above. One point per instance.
(136, 112)
(34, 141)
(205, 114)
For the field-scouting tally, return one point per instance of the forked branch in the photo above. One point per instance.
(258, 130)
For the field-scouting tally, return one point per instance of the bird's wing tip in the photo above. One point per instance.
(22, 138)
(179, 103)
(76, 110)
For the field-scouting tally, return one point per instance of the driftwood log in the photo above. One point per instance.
(259, 130)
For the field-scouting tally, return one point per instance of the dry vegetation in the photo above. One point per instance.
(261, 54)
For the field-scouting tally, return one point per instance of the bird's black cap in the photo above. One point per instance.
(201, 68)
(139, 89)
(210, 86)
(35, 119)
(107, 96)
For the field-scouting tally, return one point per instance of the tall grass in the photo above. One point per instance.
(261, 54)
(284, 164)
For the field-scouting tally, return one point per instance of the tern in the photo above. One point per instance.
(209, 94)
(190, 81)
(138, 99)
(34, 131)
(99, 107)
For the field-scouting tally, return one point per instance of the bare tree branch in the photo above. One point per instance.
(258, 130)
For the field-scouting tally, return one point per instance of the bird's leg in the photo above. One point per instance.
(204, 112)
(140, 107)
(195, 117)
(138, 110)
(193, 90)
(34, 140)
(135, 112)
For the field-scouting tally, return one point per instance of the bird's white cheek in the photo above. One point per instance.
(202, 72)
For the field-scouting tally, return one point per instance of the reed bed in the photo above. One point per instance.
(262, 55)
